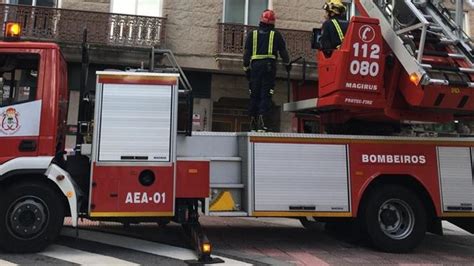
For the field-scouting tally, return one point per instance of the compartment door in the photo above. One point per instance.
(456, 178)
(300, 177)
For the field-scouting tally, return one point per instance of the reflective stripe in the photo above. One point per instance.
(270, 43)
(338, 29)
(255, 42)
(270, 55)
(258, 57)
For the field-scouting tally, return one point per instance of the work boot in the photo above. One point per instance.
(253, 124)
(261, 125)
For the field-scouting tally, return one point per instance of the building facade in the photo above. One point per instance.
(205, 35)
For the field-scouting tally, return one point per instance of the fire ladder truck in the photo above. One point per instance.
(139, 167)
(400, 61)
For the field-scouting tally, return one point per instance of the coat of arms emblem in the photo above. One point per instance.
(10, 122)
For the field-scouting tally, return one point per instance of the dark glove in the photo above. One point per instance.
(288, 67)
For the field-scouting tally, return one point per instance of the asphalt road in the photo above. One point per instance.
(238, 241)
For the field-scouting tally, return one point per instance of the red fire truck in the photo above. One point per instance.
(139, 168)
(400, 61)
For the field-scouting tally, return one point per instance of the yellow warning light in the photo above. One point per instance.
(206, 248)
(414, 78)
(12, 30)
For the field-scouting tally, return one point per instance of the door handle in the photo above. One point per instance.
(27, 145)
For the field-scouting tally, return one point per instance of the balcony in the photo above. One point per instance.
(231, 38)
(65, 27)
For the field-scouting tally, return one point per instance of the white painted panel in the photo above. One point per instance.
(81, 257)
(300, 175)
(135, 122)
(20, 120)
(6, 263)
(456, 178)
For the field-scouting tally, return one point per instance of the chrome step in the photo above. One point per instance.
(238, 186)
(229, 214)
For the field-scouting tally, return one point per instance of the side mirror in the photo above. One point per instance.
(315, 44)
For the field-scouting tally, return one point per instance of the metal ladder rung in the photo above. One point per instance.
(443, 54)
(435, 28)
(444, 41)
(449, 68)
(443, 82)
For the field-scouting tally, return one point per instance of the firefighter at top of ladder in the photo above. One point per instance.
(335, 26)
(262, 47)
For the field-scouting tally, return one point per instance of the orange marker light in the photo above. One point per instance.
(414, 78)
(206, 248)
(12, 30)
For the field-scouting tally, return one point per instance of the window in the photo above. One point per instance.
(46, 3)
(465, 19)
(18, 78)
(153, 8)
(244, 11)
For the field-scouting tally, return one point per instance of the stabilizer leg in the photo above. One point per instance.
(201, 243)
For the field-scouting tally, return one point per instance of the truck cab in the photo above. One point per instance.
(33, 102)
(34, 192)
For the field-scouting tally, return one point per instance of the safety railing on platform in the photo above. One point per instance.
(231, 38)
(66, 26)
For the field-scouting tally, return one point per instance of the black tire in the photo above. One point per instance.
(394, 218)
(31, 217)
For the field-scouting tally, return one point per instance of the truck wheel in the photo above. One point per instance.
(31, 217)
(395, 219)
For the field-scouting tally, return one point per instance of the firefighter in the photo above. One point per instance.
(262, 47)
(335, 26)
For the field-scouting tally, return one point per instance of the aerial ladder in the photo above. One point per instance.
(405, 60)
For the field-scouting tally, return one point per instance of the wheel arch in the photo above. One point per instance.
(33, 176)
(409, 182)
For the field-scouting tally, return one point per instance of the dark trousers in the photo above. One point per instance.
(262, 83)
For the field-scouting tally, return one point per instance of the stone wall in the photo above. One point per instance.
(191, 31)
(299, 15)
(470, 16)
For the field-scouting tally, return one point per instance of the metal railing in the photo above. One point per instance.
(231, 38)
(67, 26)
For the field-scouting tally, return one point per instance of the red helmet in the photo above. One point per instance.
(268, 17)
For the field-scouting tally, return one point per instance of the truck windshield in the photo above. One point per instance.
(18, 78)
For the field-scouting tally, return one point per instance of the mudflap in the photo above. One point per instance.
(436, 227)
(465, 223)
